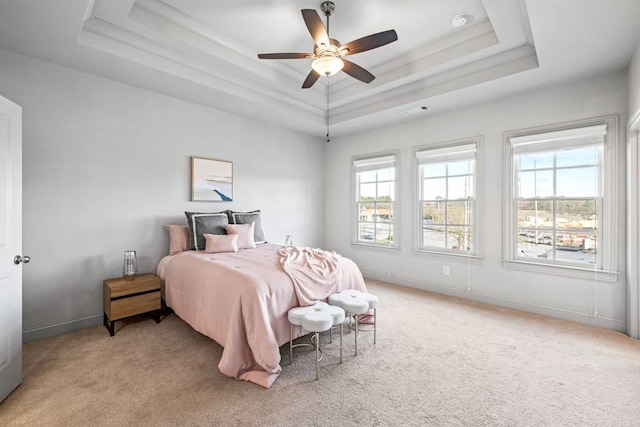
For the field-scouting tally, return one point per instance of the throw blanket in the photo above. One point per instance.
(315, 273)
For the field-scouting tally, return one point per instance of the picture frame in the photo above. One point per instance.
(211, 180)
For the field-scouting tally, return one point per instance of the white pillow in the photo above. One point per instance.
(244, 233)
(216, 243)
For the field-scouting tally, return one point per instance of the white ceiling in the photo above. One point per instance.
(205, 51)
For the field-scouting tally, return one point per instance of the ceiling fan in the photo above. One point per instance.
(329, 53)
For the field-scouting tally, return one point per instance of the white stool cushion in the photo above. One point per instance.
(317, 322)
(354, 302)
(318, 317)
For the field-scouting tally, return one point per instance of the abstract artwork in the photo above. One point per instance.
(211, 180)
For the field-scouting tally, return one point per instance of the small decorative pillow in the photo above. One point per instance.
(245, 234)
(178, 238)
(248, 218)
(221, 243)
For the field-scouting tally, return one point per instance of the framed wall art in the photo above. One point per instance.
(211, 180)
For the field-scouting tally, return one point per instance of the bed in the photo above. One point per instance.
(241, 299)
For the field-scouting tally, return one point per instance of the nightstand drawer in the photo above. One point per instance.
(142, 283)
(130, 306)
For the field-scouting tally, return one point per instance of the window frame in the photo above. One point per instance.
(355, 216)
(477, 221)
(607, 212)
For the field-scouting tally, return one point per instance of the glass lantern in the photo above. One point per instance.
(130, 266)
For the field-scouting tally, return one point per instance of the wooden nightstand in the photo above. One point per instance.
(125, 298)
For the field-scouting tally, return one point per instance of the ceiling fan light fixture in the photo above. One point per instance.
(327, 65)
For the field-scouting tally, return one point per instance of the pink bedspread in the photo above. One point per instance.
(241, 301)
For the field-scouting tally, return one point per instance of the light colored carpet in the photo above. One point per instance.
(439, 361)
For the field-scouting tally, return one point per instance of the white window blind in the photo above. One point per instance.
(446, 154)
(362, 165)
(559, 140)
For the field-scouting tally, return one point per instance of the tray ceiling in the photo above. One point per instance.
(206, 51)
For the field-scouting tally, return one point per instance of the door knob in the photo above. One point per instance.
(21, 259)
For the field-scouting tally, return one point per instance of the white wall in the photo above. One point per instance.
(564, 297)
(633, 198)
(106, 166)
(634, 84)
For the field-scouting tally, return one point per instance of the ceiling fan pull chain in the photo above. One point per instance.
(328, 138)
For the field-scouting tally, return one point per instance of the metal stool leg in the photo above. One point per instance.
(356, 317)
(375, 320)
(290, 343)
(341, 326)
(317, 354)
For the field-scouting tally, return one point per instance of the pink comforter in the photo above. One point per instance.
(241, 301)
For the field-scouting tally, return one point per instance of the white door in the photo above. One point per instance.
(10, 246)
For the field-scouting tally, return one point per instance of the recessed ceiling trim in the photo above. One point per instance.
(512, 62)
(111, 39)
(221, 61)
(437, 63)
(470, 40)
(184, 32)
(176, 25)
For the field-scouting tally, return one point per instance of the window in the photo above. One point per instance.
(447, 198)
(562, 197)
(375, 190)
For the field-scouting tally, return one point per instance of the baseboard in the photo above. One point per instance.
(599, 321)
(60, 328)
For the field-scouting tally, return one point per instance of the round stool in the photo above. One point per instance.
(354, 303)
(315, 318)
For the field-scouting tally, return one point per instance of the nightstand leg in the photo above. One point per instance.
(108, 324)
(156, 316)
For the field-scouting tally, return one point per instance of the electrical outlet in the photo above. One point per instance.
(445, 270)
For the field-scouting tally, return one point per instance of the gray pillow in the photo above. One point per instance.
(208, 224)
(248, 218)
(192, 230)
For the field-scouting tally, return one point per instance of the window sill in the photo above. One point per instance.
(375, 246)
(452, 256)
(562, 270)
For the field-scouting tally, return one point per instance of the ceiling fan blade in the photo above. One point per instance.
(284, 55)
(315, 26)
(312, 77)
(369, 42)
(357, 72)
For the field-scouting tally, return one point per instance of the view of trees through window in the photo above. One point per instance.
(448, 205)
(376, 194)
(446, 224)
